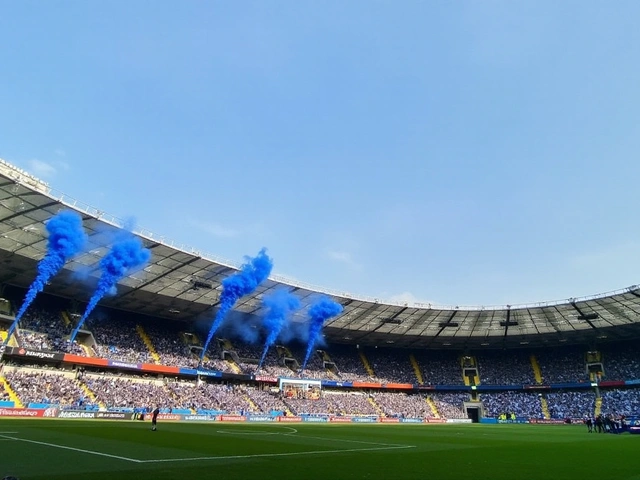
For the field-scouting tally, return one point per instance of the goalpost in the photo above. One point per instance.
(302, 389)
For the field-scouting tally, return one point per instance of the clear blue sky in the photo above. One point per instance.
(462, 153)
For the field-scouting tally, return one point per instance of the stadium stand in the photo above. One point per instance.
(562, 365)
(521, 404)
(571, 404)
(117, 337)
(505, 368)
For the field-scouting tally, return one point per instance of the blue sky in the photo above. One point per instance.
(460, 153)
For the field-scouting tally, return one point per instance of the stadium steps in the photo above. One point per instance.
(433, 407)
(377, 407)
(251, 403)
(65, 319)
(234, 366)
(12, 341)
(13, 396)
(289, 410)
(545, 408)
(87, 350)
(148, 343)
(89, 393)
(416, 369)
(331, 375)
(598, 409)
(367, 365)
(537, 373)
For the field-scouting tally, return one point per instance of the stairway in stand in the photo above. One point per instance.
(598, 410)
(416, 369)
(537, 373)
(367, 365)
(90, 395)
(13, 396)
(545, 408)
(433, 406)
(148, 343)
(377, 407)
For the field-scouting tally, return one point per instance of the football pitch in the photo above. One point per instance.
(62, 449)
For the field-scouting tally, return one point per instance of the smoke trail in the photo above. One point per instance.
(124, 256)
(251, 274)
(280, 304)
(66, 239)
(322, 309)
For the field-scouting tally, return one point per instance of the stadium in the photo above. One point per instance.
(416, 372)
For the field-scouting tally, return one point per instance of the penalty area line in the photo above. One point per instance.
(64, 447)
(267, 455)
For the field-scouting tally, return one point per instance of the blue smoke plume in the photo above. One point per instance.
(66, 239)
(280, 304)
(322, 309)
(251, 274)
(124, 256)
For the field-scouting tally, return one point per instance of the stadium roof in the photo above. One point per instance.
(184, 284)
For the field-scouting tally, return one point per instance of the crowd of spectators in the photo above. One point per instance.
(450, 404)
(562, 366)
(440, 368)
(505, 368)
(44, 328)
(391, 366)
(520, 403)
(167, 343)
(621, 402)
(117, 339)
(266, 401)
(403, 405)
(314, 368)
(333, 404)
(209, 396)
(621, 363)
(569, 404)
(349, 364)
(48, 388)
(118, 392)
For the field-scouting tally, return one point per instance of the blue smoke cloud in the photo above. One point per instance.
(251, 274)
(103, 236)
(241, 326)
(322, 309)
(280, 304)
(66, 239)
(125, 256)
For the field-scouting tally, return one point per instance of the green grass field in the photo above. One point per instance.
(60, 449)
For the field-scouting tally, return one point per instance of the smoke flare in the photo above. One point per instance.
(66, 239)
(124, 256)
(251, 274)
(280, 304)
(322, 310)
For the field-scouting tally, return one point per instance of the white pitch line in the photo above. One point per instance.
(342, 440)
(9, 432)
(289, 454)
(63, 447)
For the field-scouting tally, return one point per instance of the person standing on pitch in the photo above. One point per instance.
(154, 418)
